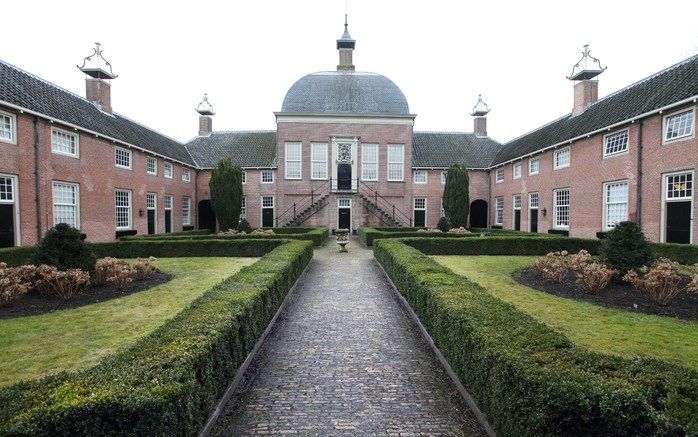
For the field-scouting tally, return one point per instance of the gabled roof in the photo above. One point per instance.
(26, 91)
(672, 85)
(441, 149)
(251, 149)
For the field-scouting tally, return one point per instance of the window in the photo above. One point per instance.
(561, 208)
(499, 174)
(516, 170)
(396, 162)
(65, 204)
(244, 177)
(267, 176)
(167, 200)
(615, 143)
(533, 166)
(7, 127)
(318, 158)
(344, 203)
(420, 177)
(679, 186)
(499, 211)
(168, 170)
(150, 199)
(186, 175)
(186, 205)
(615, 203)
(123, 209)
(151, 165)
(444, 175)
(443, 211)
(123, 158)
(420, 203)
(678, 125)
(517, 201)
(369, 162)
(243, 208)
(63, 142)
(533, 200)
(293, 160)
(561, 158)
(268, 202)
(6, 189)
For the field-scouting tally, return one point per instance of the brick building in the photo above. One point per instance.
(345, 154)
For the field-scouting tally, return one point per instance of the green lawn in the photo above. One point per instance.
(35, 346)
(604, 330)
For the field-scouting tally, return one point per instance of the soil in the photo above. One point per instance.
(34, 303)
(616, 295)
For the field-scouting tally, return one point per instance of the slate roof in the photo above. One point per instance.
(441, 149)
(674, 84)
(255, 149)
(31, 93)
(345, 92)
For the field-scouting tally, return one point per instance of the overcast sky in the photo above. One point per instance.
(442, 54)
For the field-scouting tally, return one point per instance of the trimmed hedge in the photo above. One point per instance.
(368, 235)
(528, 379)
(169, 234)
(17, 256)
(504, 245)
(316, 235)
(681, 253)
(168, 382)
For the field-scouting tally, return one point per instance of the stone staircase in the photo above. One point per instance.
(385, 216)
(305, 214)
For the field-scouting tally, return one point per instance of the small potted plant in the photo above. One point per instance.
(342, 239)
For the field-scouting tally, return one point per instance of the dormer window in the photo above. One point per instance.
(679, 125)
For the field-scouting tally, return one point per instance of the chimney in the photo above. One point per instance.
(480, 111)
(586, 88)
(98, 72)
(206, 114)
(346, 46)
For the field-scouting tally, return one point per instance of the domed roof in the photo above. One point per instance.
(345, 92)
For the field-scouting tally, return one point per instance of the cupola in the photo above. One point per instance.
(480, 111)
(346, 46)
(206, 114)
(98, 72)
(586, 87)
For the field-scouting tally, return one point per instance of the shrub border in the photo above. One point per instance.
(316, 235)
(370, 234)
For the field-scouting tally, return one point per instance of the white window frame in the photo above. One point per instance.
(130, 158)
(665, 126)
(569, 157)
(15, 205)
(288, 146)
(165, 199)
(531, 207)
(76, 205)
(154, 208)
(262, 207)
(444, 176)
(401, 162)
(514, 166)
(499, 175)
(13, 128)
(606, 185)
(74, 135)
(243, 208)
(129, 208)
(372, 165)
(170, 166)
(424, 208)
(421, 172)
(261, 176)
(244, 177)
(186, 219)
(318, 164)
(608, 136)
(153, 159)
(531, 160)
(499, 211)
(186, 175)
(665, 200)
(556, 206)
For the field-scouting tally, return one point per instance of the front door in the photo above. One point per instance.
(678, 222)
(344, 176)
(533, 214)
(420, 212)
(168, 220)
(344, 219)
(267, 217)
(151, 221)
(517, 219)
(7, 228)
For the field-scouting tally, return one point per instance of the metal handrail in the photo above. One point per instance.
(303, 202)
(381, 202)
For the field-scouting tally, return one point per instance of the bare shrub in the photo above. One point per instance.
(460, 230)
(108, 267)
(121, 273)
(144, 268)
(12, 284)
(63, 284)
(579, 261)
(553, 267)
(661, 282)
(594, 277)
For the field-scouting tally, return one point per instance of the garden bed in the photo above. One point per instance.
(35, 303)
(617, 295)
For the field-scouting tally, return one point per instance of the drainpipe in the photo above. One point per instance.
(638, 201)
(195, 207)
(37, 182)
(489, 197)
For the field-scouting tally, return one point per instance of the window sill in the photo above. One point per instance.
(69, 155)
(678, 139)
(561, 167)
(611, 155)
(122, 167)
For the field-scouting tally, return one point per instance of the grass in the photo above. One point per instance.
(35, 346)
(605, 330)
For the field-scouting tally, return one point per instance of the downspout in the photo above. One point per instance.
(489, 198)
(638, 201)
(37, 176)
(196, 201)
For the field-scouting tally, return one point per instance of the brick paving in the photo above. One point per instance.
(344, 359)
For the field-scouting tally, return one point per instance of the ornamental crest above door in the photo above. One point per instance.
(344, 153)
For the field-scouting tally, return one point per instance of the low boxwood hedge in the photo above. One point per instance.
(528, 379)
(316, 235)
(168, 382)
(368, 234)
(504, 245)
(681, 253)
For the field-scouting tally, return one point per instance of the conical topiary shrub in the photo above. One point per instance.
(626, 248)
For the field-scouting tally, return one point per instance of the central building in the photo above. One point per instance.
(344, 155)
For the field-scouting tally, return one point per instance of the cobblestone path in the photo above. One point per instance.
(344, 359)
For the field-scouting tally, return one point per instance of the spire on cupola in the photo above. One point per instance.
(346, 46)
(206, 113)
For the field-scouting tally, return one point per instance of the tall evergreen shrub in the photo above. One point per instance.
(63, 247)
(626, 248)
(456, 197)
(226, 194)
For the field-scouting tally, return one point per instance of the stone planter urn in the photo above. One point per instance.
(342, 239)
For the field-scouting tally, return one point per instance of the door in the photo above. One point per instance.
(207, 218)
(344, 219)
(533, 214)
(151, 201)
(517, 219)
(478, 214)
(7, 228)
(420, 212)
(267, 217)
(151, 221)
(678, 222)
(168, 220)
(344, 176)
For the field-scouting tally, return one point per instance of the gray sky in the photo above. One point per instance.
(440, 53)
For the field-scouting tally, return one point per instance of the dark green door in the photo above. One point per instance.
(344, 220)
(151, 221)
(678, 222)
(533, 214)
(517, 219)
(344, 177)
(7, 226)
(267, 217)
(168, 220)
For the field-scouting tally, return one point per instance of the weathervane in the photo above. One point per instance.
(480, 109)
(93, 65)
(204, 107)
(589, 69)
